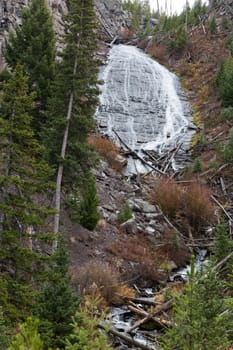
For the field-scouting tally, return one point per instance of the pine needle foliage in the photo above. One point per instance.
(57, 303)
(33, 46)
(28, 337)
(23, 177)
(200, 317)
(86, 334)
(80, 83)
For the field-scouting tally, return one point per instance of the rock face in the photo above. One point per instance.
(110, 14)
(113, 20)
(11, 15)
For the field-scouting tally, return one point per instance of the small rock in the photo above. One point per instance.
(130, 226)
(150, 230)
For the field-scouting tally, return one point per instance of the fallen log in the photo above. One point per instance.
(223, 186)
(145, 301)
(127, 338)
(223, 209)
(222, 262)
(150, 316)
(137, 156)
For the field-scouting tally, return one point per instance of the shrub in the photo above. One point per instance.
(212, 25)
(82, 205)
(107, 150)
(225, 82)
(89, 215)
(226, 114)
(173, 248)
(228, 151)
(28, 336)
(96, 275)
(223, 244)
(197, 166)
(197, 205)
(125, 213)
(168, 195)
(86, 332)
(194, 201)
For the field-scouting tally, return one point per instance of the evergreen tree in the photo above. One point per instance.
(74, 100)
(200, 320)
(58, 303)
(223, 244)
(88, 208)
(4, 332)
(33, 46)
(224, 82)
(86, 334)
(28, 337)
(23, 177)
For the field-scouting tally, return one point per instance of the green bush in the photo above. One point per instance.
(179, 41)
(125, 213)
(226, 114)
(212, 25)
(82, 206)
(229, 43)
(225, 82)
(28, 337)
(228, 152)
(197, 166)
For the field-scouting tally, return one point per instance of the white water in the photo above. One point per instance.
(143, 102)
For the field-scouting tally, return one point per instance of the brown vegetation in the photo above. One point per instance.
(168, 194)
(158, 51)
(198, 207)
(192, 201)
(138, 250)
(172, 248)
(107, 150)
(96, 276)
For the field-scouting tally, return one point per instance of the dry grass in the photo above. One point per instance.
(139, 252)
(172, 248)
(193, 201)
(107, 150)
(197, 205)
(158, 51)
(168, 195)
(95, 276)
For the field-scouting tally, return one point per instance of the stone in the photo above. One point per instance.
(130, 226)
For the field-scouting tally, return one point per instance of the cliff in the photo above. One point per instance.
(111, 17)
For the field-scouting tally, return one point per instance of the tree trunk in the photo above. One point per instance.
(61, 165)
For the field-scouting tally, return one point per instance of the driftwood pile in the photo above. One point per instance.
(155, 162)
(158, 316)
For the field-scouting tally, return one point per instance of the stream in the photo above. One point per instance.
(144, 103)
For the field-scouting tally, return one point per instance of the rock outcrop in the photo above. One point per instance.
(113, 20)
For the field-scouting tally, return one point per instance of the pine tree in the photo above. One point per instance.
(200, 320)
(28, 337)
(86, 334)
(88, 208)
(74, 100)
(23, 177)
(223, 244)
(4, 332)
(33, 46)
(58, 303)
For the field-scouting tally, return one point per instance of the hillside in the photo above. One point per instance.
(128, 236)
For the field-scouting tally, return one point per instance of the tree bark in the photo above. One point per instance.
(61, 165)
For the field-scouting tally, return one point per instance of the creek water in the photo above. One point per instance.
(143, 102)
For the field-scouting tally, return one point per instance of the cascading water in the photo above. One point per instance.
(143, 102)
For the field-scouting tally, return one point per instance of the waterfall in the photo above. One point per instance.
(143, 102)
